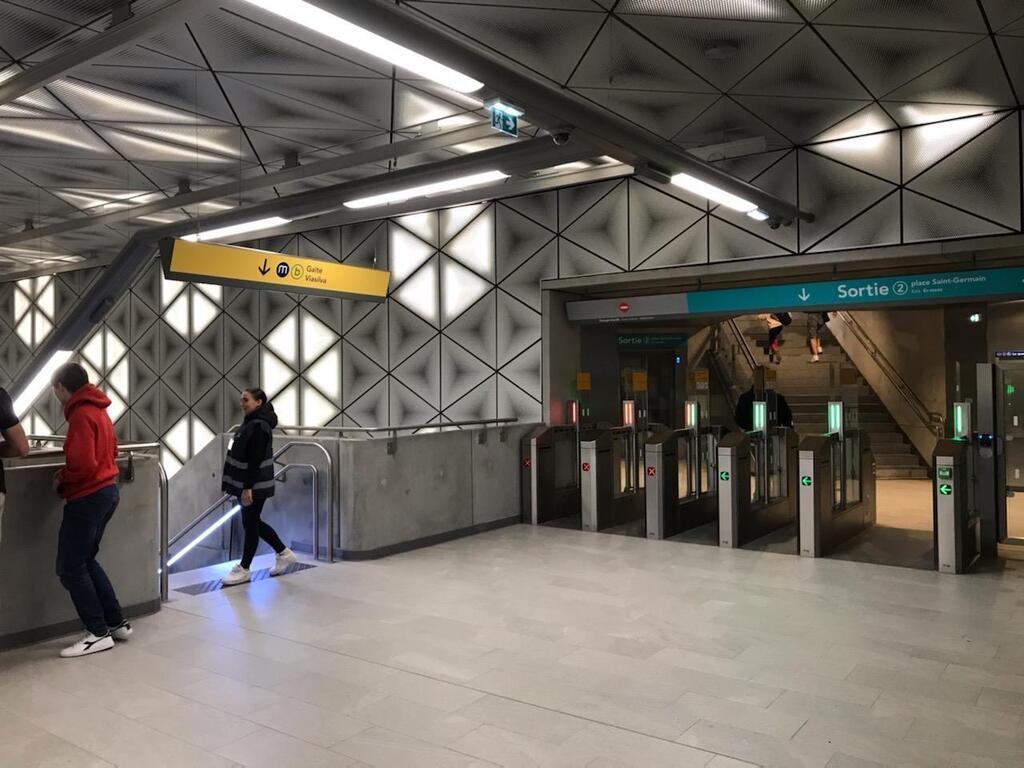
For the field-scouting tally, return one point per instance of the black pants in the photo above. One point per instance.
(78, 543)
(773, 334)
(256, 529)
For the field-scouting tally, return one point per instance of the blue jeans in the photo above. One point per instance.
(78, 543)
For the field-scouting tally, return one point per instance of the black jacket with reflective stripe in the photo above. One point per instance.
(250, 459)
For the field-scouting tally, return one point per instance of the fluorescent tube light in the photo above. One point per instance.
(758, 215)
(203, 536)
(426, 190)
(335, 27)
(713, 193)
(40, 382)
(236, 229)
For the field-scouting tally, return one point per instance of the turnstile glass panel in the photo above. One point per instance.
(623, 447)
(684, 465)
(776, 466)
(564, 449)
(837, 475)
(756, 481)
(707, 476)
(851, 472)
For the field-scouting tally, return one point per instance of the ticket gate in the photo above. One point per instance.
(837, 490)
(611, 488)
(681, 480)
(549, 480)
(756, 484)
(957, 522)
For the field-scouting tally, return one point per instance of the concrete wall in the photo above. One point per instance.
(914, 341)
(33, 604)
(560, 356)
(1005, 327)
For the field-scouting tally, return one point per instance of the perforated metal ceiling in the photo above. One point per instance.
(228, 94)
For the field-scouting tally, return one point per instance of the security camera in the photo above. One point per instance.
(561, 138)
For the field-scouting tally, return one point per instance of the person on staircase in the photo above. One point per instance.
(776, 324)
(249, 476)
(815, 322)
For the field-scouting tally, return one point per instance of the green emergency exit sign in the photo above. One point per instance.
(945, 473)
(945, 489)
(805, 481)
(724, 476)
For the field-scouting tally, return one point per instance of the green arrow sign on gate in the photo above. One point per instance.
(805, 480)
(724, 475)
(945, 489)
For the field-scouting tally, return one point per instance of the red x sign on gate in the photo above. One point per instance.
(586, 466)
(652, 471)
(527, 463)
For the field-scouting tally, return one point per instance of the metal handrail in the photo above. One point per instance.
(934, 421)
(168, 541)
(394, 428)
(742, 344)
(63, 438)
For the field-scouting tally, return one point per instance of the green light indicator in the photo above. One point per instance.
(1010, 389)
(958, 419)
(945, 489)
(805, 481)
(724, 476)
(835, 417)
(760, 415)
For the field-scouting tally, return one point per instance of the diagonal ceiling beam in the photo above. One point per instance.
(355, 159)
(113, 39)
(548, 105)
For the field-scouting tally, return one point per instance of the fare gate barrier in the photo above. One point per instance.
(957, 525)
(610, 492)
(756, 484)
(681, 476)
(548, 477)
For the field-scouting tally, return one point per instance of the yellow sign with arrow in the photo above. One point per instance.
(251, 268)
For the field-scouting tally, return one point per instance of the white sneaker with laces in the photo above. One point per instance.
(237, 575)
(122, 631)
(88, 644)
(283, 561)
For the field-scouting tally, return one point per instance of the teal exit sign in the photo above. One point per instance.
(505, 120)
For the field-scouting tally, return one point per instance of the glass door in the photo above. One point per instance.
(1013, 410)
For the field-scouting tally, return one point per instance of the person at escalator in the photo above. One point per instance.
(249, 476)
(745, 408)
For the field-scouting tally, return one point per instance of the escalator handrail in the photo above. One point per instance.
(934, 421)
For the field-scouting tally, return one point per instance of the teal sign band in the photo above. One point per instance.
(653, 340)
(840, 294)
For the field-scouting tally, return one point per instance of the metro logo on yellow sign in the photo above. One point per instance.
(250, 268)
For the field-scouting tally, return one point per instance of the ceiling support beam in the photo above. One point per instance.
(377, 154)
(113, 39)
(549, 106)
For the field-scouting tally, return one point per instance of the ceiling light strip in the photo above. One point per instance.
(223, 233)
(427, 190)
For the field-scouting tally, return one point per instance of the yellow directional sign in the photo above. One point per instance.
(250, 268)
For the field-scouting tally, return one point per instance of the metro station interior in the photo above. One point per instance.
(646, 379)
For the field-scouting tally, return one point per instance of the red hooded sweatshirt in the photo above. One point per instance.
(90, 450)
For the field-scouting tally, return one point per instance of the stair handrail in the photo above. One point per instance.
(935, 422)
(742, 344)
(167, 541)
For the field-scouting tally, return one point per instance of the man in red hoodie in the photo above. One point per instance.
(88, 482)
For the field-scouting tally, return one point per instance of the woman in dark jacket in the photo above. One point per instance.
(249, 475)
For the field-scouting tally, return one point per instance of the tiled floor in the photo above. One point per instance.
(547, 647)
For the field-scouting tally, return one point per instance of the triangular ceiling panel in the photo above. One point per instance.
(604, 228)
(928, 144)
(460, 372)
(524, 282)
(407, 333)
(801, 119)
(621, 58)
(525, 371)
(185, 92)
(719, 51)
(548, 41)
(655, 219)
(518, 328)
(974, 76)
(574, 261)
(474, 245)
(779, 179)
(836, 193)
(663, 112)
(413, 107)
(925, 219)
(358, 374)
(885, 59)
(476, 329)
(729, 242)
(871, 119)
(541, 208)
(478, 405)
(875, 153)
(980, 177)
(370, 335)
(407, 407)
(421, 373)
(726, 122)
(518, 238)
(691, 247)
(371, 408)
(935, 14)
(879, 225)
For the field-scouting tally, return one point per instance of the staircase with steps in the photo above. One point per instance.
(808, 387)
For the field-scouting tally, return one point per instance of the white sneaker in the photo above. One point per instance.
(238, 575)
(283, 561)
(122, 631)
(815, 358)
(88, 644)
